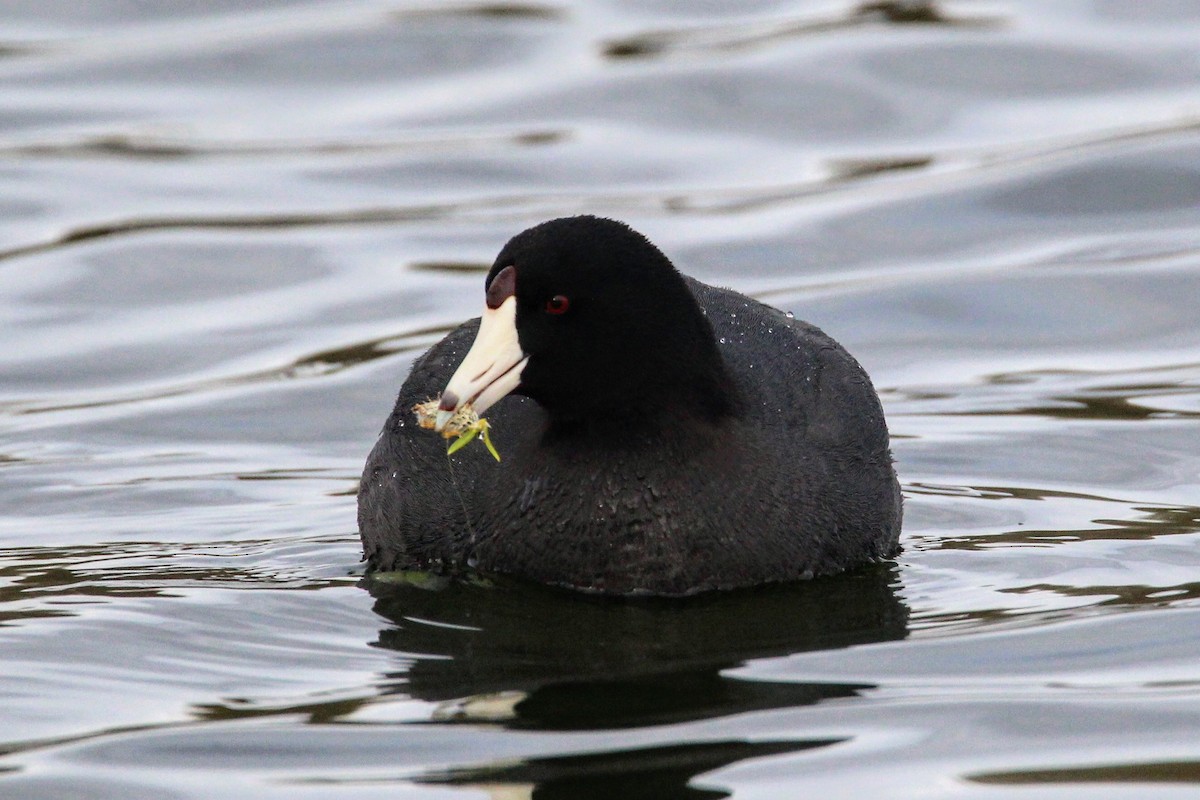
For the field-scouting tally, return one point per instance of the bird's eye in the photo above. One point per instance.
(557, 304)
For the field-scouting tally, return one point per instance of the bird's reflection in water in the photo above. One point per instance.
(537, 659)
(651, 773)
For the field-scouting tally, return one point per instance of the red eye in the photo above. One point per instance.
(557, 304)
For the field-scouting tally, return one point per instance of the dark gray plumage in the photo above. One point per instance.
(695, 439)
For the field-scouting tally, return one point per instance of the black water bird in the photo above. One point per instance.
(659, 436)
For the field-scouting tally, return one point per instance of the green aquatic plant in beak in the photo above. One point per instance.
(462, 427)
(480, 428)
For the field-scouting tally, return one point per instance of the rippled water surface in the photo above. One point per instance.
(228, 228)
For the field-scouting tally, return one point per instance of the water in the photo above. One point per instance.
(228, 228)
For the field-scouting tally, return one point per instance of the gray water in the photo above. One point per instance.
(227, 229)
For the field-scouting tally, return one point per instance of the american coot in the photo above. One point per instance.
(658, 435)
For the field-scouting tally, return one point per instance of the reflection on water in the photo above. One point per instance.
(1154, 522)
(586, 662)
(1124, 596)
(1162, 772)
(542, 660)
(735, 36)
(656, 773)
(1123, 401)
(51, 582)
